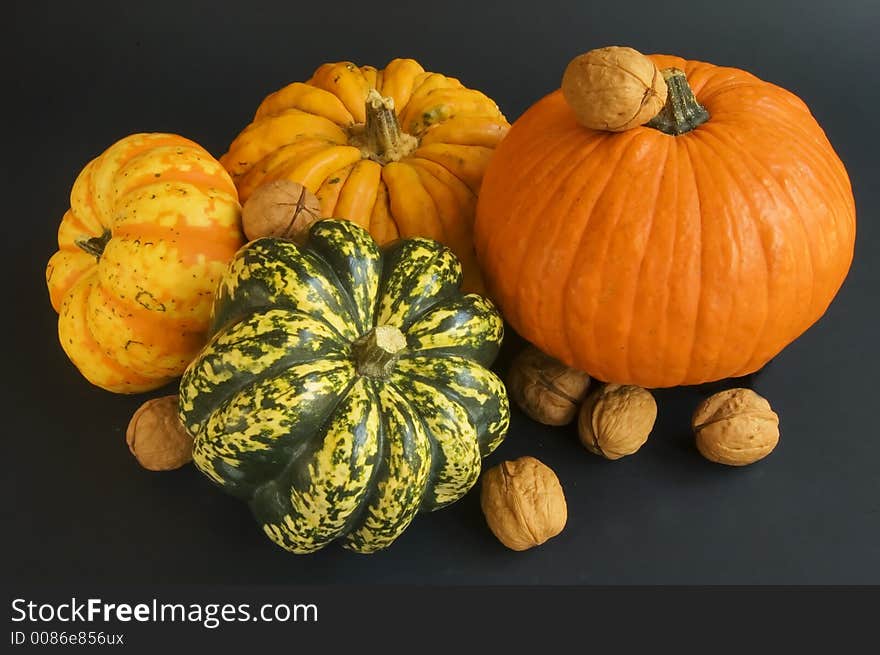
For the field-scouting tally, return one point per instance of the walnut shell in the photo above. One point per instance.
(614, 88)
(523, 503)
(545, 389)
(616, 420)
(157, 438)
(281, 208)
(735, 427)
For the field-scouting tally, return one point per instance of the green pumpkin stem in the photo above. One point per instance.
(95, 245)
(383, 140)
(681, 113)
(375, 353)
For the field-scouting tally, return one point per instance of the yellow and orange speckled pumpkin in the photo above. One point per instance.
(399, 151)
(151, 225)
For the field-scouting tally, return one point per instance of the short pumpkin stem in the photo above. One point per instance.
(95, 245)
(375, 353)
(681, 113)
(383, 140)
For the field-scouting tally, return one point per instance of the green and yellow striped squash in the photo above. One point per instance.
(345, 386)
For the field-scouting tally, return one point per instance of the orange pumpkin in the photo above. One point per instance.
(400, 151)
(662, 258)
(152, 223)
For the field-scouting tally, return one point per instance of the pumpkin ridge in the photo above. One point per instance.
(627, 327)
(322, 484)
(435, 453)
(756, 220)
(551, 181)
(760, 228)
(797, 322)
(357, 261)
(491, 431)
(195, 419)
(380, 534)
(527, 171)
(358, 193)
(428, 77)
(826, 168)
(468, 326)
(412, 207)
(351, 305)
(270, 166)
(295, 258)
(203, 439)
(382, 446)
(158, 343)
(759, 231)
(601, 258)
(121, 377)
(409, 291)
(446, 234)
(414, 451)
(73, 228)
(689, 361)
(673, 239)
(453, 477)
(418, 154)
(577, 168)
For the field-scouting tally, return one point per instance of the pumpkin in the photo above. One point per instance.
(689, 250)
(400, 151)
(345, 387)
(152, 223)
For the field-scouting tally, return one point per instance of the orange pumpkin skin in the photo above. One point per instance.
(657, 260)
(152, 223)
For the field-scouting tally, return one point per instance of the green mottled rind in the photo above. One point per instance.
(402, 478)
(273, 273)
(456, 461)
(418, 273)
(357, 262)
(253, 435)
(282, 418)
(478, 390)
(329, 481)
(468, 326)
(261, 345)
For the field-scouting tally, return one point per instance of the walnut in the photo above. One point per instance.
(616, 420)
(614, 88)
(157, 438)
(545, 389)
(735, 427)
(280, 208)
(523, 503)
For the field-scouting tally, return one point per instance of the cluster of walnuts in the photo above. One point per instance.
(523, 500)
(734, 427)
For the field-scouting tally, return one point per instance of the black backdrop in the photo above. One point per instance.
(76, 507)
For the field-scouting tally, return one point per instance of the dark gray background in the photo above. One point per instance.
(76, 507)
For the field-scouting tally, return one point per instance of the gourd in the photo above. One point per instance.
(400, 151)
(152, 223)
(691, 249)
(345, 386)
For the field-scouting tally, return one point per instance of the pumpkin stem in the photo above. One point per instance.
(382, 140)
(375, 352)
(95, 246)
(682, 112)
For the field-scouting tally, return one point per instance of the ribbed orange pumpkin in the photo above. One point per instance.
(647, 258)
(152, 223)
(399, 151)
